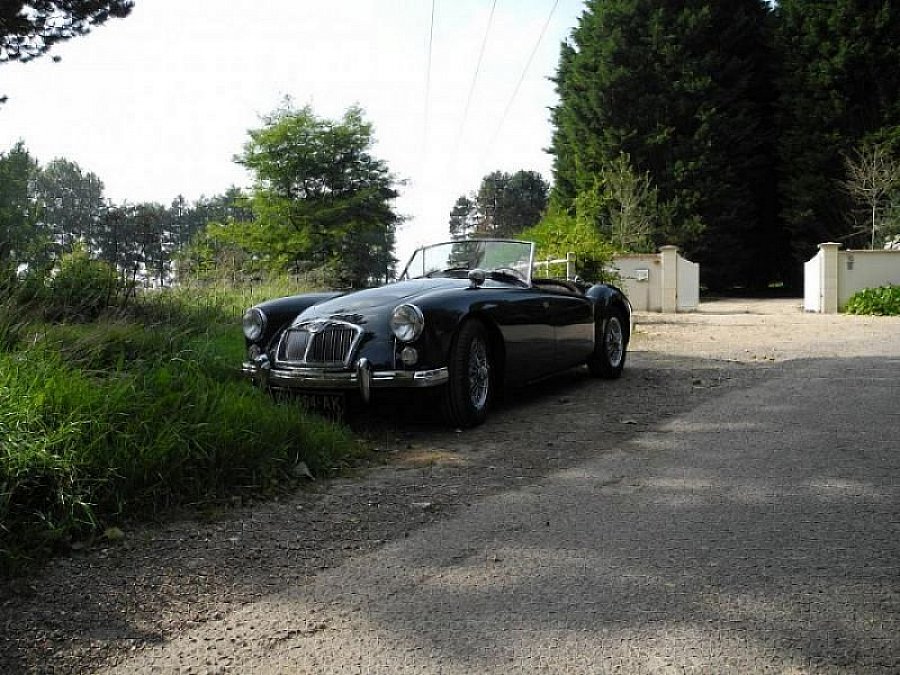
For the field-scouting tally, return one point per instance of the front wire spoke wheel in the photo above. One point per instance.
(467, 397)
(479, 374)
(615, 341)
(611, 347)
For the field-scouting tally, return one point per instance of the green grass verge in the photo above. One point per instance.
(137, 412)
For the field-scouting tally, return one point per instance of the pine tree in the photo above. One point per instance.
(463, 218)
(840, 89)
(505, 204)
(21, 238)
(682, 88)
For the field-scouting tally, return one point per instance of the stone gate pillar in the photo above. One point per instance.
(829, 288)
(669, 291)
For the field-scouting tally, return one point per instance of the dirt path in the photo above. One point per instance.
(145, 604)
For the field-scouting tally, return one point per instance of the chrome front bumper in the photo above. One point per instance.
(363, 378)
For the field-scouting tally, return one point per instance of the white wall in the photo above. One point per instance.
(641, 280)
(833, 276)
(866, 269)
(650, 288)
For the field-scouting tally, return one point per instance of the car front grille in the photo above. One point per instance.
(318, 344)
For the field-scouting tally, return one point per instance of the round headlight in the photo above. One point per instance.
(254, 323)
(407, 322)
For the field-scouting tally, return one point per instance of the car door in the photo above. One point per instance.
(528, 334)
(572, 320)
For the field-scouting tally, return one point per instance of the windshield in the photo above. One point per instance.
(498, 257)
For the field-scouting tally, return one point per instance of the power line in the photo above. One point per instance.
(512, 98)
(484, 40)
(426, 113)
(428, 78)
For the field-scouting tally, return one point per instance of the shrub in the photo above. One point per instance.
(82, 287)
(882, 301)
(559, 233)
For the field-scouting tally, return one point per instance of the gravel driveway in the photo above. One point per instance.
(731, 505)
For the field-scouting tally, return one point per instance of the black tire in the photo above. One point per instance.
(470, 390)
(608, 359)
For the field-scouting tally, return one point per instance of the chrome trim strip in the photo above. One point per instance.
(319, 378)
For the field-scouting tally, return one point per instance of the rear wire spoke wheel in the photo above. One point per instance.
(608, 359)
(470, 388)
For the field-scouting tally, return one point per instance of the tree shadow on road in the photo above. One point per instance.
(754, 533)
(163, 580)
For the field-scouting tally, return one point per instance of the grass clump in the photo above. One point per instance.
(134, 412)
(881, 301)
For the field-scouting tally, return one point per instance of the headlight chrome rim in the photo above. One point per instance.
(254, 323)
(407, 322)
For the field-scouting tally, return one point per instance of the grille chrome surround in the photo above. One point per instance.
(324, 344)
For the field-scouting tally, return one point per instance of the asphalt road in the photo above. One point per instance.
(755, 532)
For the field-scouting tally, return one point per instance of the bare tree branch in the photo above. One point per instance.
(873, 174)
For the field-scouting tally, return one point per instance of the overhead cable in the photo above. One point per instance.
(484, 41)
(512, 98)
(428, 78)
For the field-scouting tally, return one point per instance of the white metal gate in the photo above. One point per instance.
(812, 284)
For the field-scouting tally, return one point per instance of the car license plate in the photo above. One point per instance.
(332, 406)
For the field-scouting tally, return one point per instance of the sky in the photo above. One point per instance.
(158, 104)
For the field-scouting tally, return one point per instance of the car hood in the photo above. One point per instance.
(359, 306)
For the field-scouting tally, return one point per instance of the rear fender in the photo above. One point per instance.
(606, 298)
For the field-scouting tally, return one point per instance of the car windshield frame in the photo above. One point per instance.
(512, 258)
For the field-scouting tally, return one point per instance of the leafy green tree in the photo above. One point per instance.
(463, 218)
(201, 230)
(181, 220)
(840, 88)
(21, 240)
(69, 202)
(505, 204)
(683, 89)
(232, 205)
(111, 236)
(29, 28)
(150, 242)
(559, 233)
(623, 206)
(321, 198)
(508, 203)
(140, 240)
(55, 209)
(221, 252)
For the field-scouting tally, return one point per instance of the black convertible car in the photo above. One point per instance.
(466, 318)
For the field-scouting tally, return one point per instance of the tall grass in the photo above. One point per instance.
(135, 412)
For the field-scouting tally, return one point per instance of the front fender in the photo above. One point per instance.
(445, 311)
(281, 311)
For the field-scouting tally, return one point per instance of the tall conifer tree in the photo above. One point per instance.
(840, 87)
(684, 89)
